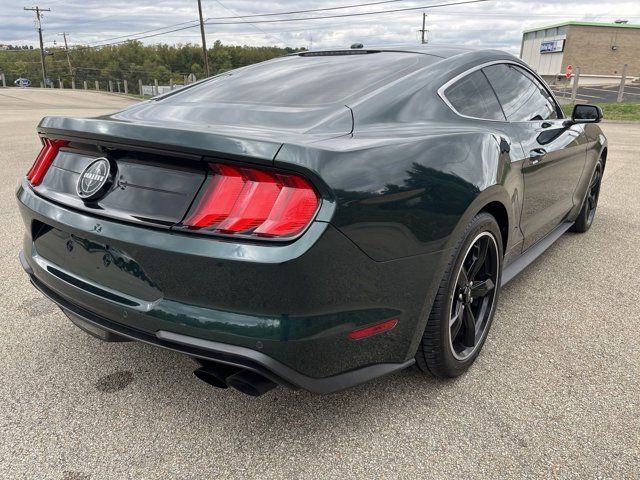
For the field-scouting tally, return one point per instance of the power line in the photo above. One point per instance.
(254, 26)
(294, 12)
(249, 16)
(137, 37)
(343, 15)
(292, 20)
(145, 31)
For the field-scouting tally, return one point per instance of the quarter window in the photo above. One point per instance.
(472, 96)
(522, 97)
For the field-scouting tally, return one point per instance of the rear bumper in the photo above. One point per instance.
(213, 351)
(282, 311)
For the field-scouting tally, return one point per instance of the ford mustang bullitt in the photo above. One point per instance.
(313, 221)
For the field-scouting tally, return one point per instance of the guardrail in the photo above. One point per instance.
(114, 86)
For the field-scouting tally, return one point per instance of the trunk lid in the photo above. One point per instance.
(158, 152)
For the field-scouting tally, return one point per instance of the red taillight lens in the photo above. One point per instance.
(253, 202)
(44, 160)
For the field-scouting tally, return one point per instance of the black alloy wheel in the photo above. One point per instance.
(464, 306)
(588, 212)
(473, 299)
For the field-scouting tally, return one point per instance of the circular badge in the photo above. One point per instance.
(94, 179)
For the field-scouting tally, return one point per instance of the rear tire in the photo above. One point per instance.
(465, 303)
(588, 211)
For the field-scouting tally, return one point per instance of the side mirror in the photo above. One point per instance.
(587, 114)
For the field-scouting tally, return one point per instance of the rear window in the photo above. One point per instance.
(305, 80)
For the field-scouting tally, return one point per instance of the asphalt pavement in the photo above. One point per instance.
(555, 393)
(598, 93)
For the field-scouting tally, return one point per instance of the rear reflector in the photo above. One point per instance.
(251, 202)
(44, 160)
(373, 329)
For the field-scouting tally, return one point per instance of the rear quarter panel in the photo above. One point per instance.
(400, 194)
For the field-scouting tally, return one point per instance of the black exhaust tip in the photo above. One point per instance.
(215, 373)
(250, 383)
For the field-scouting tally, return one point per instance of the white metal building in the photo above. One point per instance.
(599, 50)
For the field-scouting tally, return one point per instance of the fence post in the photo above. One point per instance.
(171, 84)
(140, 87)
(84, 84)
(111, 86)
(73, 83)
(576, 80)
(41, 85)
(155, 86)
(118, 83)
(4, 81)
(126, 87)
(60, 83)
(97, 86)
(622, 82)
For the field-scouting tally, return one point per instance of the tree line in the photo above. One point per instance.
(132, 61)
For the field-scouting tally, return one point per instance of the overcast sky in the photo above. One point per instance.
(493, 24)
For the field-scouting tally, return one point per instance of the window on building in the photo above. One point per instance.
(522, 97)
(472, 96)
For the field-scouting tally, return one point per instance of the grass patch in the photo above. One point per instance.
(614, 111)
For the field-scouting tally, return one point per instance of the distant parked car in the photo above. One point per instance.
(22, 82)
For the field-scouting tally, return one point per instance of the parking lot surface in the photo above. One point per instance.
(598, 93)
(554, 394)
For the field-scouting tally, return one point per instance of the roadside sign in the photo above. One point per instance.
(569, 71)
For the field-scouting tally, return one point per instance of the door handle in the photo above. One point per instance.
(536, 155)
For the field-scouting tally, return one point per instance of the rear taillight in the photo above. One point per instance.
(44, 160)
(251, 202)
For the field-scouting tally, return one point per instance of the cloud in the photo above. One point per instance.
(495, 24)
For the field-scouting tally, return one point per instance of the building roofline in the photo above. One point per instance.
(584, 24)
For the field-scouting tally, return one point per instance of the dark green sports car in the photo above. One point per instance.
(313, 221)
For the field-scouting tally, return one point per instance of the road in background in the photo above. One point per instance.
(554, 393)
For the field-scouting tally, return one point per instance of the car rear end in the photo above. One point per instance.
(162, 257)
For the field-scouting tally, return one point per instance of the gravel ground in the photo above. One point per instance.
(555, 393)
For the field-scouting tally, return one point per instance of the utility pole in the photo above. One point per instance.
(204, 41)
(66, 48)
(424, 29)
(38, 10)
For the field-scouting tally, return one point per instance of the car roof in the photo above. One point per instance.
(443, 51)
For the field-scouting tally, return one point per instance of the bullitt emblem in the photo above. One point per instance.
(93, 179)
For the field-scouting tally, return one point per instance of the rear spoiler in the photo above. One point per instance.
(240, 144)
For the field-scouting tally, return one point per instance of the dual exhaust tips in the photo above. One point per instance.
(225, 376)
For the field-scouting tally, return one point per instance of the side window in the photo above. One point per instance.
(544, 92)
(521, 98)
(472, 96)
